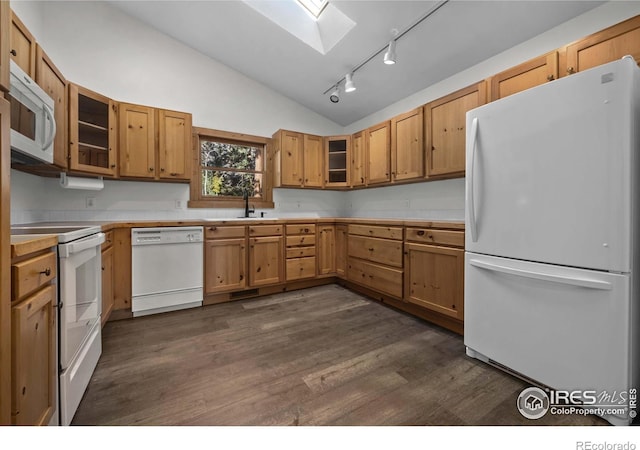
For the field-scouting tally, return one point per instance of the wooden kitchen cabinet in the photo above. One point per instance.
(5, 44)
(34, 374)
(51, 80)
(358, 166)
(174, 144)
(434, 270)
(266, 255)
(92, 132)
(341, 251)
(327, 250)
(225, 259)
(337, 153)
(532, 73)
(300, 251)
(604, 46)
(378, 151)
(407, 145)
(137, 141)
(374, 258)
(313, 160)
(108, 293)
(288, 163)
(445, 129)
(23, 46)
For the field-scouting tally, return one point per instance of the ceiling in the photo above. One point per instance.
(457, 36)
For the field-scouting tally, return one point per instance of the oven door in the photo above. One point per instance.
(80, 293)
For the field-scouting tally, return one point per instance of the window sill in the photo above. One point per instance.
(229, 203)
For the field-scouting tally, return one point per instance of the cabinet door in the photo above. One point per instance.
(524, 76)
(379, 153)
(5, 46)
(50, 79)
(34, 358)
(313, 161)
(92, 132)
(225, 264)
(291, 165)
(327, 250)
(358, 172)
(434, 278)
(174, 144)
(605, 46)
(137, 143)
(23, 46)
(407, 145)
(108, 298)
(337, 154)
(266, 260)
(445, 123)
(341, 251)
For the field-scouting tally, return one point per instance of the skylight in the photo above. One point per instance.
(315, 7)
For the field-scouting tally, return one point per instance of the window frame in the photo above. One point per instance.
(197, 200)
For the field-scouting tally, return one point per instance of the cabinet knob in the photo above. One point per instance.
(571, 70)
(162, 169)
(150, 169)
(550, 78)
(13, 52)
(173, 174)
(420, 233)
(46, 271)
(113, 166)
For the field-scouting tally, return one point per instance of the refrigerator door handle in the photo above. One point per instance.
(471, 213)
(562, 279)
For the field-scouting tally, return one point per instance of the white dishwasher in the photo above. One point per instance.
(166, 269)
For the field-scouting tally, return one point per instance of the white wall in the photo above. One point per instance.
(99, 47)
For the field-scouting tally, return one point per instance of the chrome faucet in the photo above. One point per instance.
(247, 211)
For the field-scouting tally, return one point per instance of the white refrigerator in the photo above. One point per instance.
(553, 233)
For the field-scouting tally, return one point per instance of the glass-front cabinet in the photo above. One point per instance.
(337, 150)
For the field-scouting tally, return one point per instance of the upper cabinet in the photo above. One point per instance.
(605, 46)
(23, 46)
(174, 144)
(5, 44)
(407, 145)
(358, 172)
(445, 127)
(288, 164)
(378, 151)
(312, 160)
(92, 132)
(337, 149)
(137, 141)
(51, 80)
(524, 76)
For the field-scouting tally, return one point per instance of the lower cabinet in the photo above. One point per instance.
(387, 280)
(226, 263)
(301, 251)
(327, 250)
(434, 274)
(108, 293)
(341, 251)
(266, 251)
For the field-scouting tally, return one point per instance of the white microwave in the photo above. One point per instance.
(33, 127)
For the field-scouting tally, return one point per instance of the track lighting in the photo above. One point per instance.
(335, 95)
(348, 84)
(390, 54)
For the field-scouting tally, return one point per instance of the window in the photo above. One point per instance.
(230, 165)
(315, 7)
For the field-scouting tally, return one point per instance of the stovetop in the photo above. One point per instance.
(65, 233)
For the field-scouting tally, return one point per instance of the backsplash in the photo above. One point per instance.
(37, 199)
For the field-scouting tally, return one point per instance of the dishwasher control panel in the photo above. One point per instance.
(166, 235)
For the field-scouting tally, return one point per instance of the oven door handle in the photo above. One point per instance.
(66, 250)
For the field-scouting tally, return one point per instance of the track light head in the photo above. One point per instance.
(335, 95)
(390, 54)
(348, 84)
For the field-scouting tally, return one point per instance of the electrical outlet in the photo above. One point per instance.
(90, 202)
(179, 204)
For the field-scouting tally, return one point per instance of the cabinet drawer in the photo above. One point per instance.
(384, 251)
(299, 252)
(301, 228)
(293, 241)
(265, 230)
(216, 232)
(379, 278)
(375, 231)
(301, 268)
(441, 237)
(29, 275)
(108, 240)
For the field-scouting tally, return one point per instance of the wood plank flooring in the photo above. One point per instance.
(320, 356)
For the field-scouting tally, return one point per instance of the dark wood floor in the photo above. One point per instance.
(321, 356)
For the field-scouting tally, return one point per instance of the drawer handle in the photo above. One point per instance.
(213, 228)
(420, 233)
(371, 249)
(46, 271)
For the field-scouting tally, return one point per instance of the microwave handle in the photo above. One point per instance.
(52, 121)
